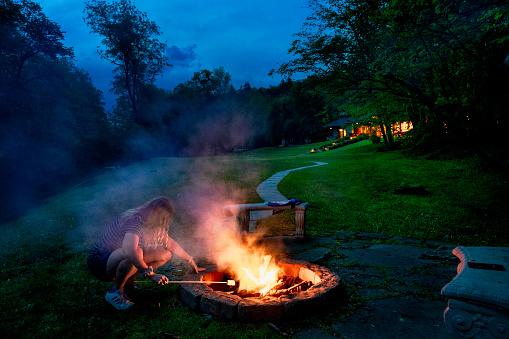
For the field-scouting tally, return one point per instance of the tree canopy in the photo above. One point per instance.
(130, 43)
(52, 121)
(436, 63)
(26, 32)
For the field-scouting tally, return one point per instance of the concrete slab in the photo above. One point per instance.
(313, 255)
(396, 318)
(387, 255)
(293, 245)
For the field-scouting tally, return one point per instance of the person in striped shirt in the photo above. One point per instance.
(137, 242)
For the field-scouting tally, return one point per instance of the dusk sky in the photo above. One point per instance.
(248, 37)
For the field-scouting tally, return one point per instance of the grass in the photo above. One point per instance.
(355, 192)
(47, 291)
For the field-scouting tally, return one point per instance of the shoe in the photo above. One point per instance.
(118, 300)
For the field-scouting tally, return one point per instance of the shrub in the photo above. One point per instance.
(375, 139)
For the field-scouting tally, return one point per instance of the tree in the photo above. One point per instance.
(53, 127)
(130, 43)
(436, 59)
(209, 85)
(25, 33)
(295, 112)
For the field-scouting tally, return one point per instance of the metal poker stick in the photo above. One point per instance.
(228, 282)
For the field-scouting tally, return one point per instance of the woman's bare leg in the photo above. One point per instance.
(156, 257)
(121, 268)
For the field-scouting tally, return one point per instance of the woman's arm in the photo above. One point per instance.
(134, 254)
(175, 248)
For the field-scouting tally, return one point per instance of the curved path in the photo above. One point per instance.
(267, 190)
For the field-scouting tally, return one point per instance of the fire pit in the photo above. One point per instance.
(301, 289)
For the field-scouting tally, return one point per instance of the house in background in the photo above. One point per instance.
(352, 127)
(400, 128)
(348, 126)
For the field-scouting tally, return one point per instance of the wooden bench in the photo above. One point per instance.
(242, 213)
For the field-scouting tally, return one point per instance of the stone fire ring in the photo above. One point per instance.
(327, 290)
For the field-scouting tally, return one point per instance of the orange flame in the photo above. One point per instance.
(265, 280)
(255, 271)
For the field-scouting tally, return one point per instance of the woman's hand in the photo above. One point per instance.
(160, 279)
(195, 268)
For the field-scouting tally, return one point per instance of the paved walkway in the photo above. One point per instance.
(267, 190)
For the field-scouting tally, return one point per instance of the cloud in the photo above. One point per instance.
(182, 57)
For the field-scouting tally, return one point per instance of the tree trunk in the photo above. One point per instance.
(390, 139)
(386, 142)
(129, 87)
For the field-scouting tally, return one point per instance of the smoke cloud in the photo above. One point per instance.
(200, 187)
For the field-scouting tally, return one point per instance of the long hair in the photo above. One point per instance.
(160, 206)
(151, 213)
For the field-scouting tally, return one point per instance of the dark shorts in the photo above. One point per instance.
(97, 266)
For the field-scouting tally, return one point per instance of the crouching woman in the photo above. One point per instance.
(135, 243)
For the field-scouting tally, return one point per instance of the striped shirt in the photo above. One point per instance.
(113, 238)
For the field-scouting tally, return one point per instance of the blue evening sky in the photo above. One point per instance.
(247, 37)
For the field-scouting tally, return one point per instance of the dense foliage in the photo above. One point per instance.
(439, 64)
(52, 120)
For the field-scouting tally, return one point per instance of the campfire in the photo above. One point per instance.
(271, 280)
(265, 288)
(256, 273)
(300, 289)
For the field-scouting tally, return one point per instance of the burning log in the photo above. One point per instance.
(248, 294)
(302, 286)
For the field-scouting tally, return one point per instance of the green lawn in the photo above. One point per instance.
(466, 205)
(47, 292)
